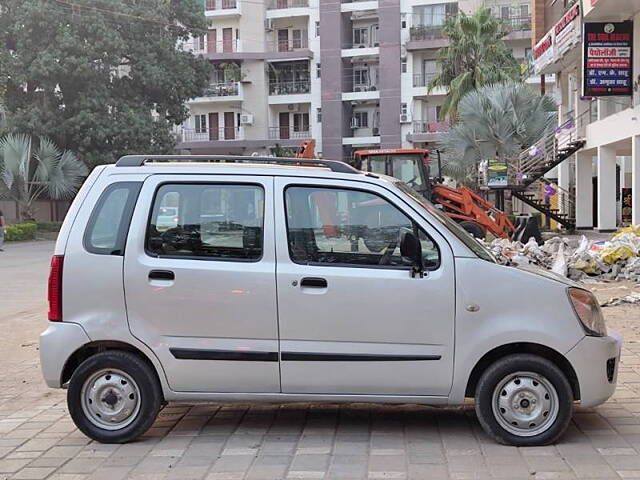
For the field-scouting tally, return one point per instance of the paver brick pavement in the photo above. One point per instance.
(295, 441)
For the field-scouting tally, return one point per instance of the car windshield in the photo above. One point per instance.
(475, 246)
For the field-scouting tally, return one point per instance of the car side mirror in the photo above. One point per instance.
(411, 248)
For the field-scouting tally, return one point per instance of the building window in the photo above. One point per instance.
(361, 36)
(403, 66)
(361, 77)
(360, 119)
(201, 123)
(317, 70)
(319, 115)
(300, 122)
(434, 15)
(200, 42)
(299, 37)
(403, 109)
(317, 29)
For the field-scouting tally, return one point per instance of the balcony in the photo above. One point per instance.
(289, 45)
(287, 133)
(427, 130)
(210, 47)
(423, 79)
(189, 135)
(281, 4)
(517, 24)
(298, 87)
(519, 28)
(426, 32)
(220, 92)
(221, 8)
(287, 8)
(426, 37)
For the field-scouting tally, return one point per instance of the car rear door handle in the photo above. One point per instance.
(161, 275)
(314, 282)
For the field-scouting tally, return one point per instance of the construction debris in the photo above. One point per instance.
(615, 301)
(578, 259)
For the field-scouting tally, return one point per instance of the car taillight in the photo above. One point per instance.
(55, 289)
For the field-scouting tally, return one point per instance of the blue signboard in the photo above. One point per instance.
(608, 59)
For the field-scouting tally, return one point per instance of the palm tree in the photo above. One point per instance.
(27, 174)
(495, 122)
(476, 56)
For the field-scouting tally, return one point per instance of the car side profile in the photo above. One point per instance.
(223, 279)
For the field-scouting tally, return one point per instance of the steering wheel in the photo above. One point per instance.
(176, 237)
(386, 256)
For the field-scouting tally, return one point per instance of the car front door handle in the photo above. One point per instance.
(161, 275)
(314, 282)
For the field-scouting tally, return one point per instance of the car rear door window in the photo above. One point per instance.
(332, 226)
(207, 221)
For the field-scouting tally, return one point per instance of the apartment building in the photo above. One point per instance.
(593, 48)
(349, 74)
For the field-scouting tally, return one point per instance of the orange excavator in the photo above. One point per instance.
(412, 166)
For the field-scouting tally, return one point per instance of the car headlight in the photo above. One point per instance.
(588, 312)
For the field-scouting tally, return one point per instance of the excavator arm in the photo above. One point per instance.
(463, 204)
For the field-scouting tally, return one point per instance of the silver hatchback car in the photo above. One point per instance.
(277, 281)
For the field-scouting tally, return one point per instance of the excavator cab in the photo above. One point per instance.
(411, 166)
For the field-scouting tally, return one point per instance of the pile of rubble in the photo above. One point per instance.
(616, 259)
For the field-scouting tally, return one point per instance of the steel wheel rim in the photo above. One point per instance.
(525, 404)
(110, 399)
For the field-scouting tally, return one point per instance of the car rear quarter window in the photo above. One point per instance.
(207, 222)
(107, 229)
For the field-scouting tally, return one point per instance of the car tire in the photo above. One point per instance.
(474, 229)
(524, 400)
(114, 396)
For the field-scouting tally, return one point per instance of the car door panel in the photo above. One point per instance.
(370, 330)
(212, 323)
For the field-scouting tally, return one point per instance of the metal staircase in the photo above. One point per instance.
(549, 152)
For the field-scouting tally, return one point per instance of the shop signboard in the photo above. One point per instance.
(565, 35)
(608, 59)
(543, 53)
(567, 32)
(497, 173)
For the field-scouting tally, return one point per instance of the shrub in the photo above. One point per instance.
(49, 226)
(20, 232)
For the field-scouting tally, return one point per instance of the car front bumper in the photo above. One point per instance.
(596, 361)
(57, 343)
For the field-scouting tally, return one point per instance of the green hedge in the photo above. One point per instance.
(20, 231)
(49, 226)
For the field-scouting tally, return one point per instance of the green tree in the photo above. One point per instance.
(100, 78)
(495, 122)
(476, 55)
(26, 174)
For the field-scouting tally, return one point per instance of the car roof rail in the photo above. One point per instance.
(141, 160)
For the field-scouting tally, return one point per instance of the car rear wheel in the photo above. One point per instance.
(524, 400)
(114, 397)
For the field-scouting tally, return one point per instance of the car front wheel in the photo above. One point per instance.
(524, 400)
(114, 397)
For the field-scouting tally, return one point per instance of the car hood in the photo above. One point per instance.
(549, 275)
